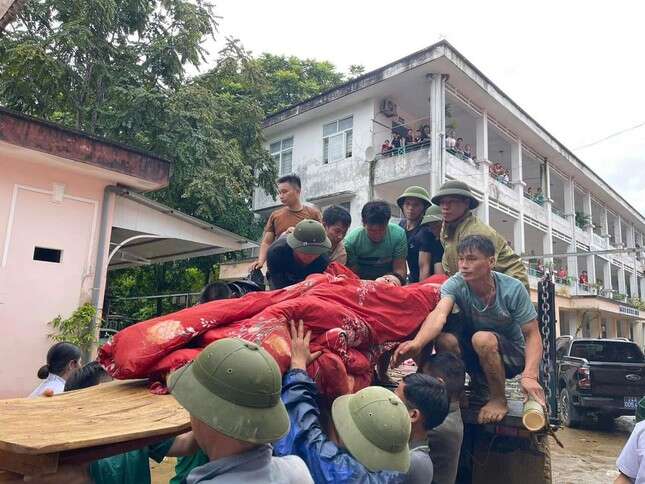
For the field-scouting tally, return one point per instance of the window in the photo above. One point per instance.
(47, 255)
(337, 139)
(282, 153)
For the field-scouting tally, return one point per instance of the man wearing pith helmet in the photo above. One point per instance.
(424, 249)
(232, 393)
(303, 252)
(367, 437)
(457, 202)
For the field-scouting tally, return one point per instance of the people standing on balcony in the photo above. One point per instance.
(459, 145)
(303, 252)
(418, 138)
(289, 215)
(336, 221)
(378, 247)
(457, 202)
(499, 336)
(409, 137)
(529, 193)
(583, 278)
(414, 202)
(450, 141)
(386, 147)
(468, 152)
(396, 141)
(539, 196)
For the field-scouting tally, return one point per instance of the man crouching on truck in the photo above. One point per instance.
(499, 337)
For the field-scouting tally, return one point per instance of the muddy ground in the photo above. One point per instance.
(588, 457)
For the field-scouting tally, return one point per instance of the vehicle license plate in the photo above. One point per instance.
(631, 402)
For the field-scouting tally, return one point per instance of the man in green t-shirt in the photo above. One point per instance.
(378, 247)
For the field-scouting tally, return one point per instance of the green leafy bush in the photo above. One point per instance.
(76, 329)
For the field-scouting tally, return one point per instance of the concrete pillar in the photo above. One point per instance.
(622, 288)
(606, 269)
(588, 211)
(591, 269)
(518, 184)
(612, 330)
(548, 237)
(642, 291)
(633, 282)
(570, 215)
(437, 130)
(481, 135)
(618, 232)
(604, 224)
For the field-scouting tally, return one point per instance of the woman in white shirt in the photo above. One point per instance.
(63, 360)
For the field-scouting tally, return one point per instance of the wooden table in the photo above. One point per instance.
(39, 434)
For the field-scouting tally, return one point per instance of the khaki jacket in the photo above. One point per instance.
(508, 262)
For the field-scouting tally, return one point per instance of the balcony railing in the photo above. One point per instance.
(557, 211)
(407, 148)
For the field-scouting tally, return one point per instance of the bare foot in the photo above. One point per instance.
(494, 411)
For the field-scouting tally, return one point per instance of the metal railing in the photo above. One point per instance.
(403, 150)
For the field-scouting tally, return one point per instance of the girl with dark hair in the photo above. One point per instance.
(63, 360)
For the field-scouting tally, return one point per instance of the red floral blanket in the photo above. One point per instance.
(352, 321)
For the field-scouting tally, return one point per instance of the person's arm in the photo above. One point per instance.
(438, 268)
(400, 254)
(430, 329)
(533, 355)
(184, 444)
(400, 267)
(425, 265)
(267, 240)
(623, 479)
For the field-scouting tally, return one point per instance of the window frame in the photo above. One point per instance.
(347, 139)
(280, 152)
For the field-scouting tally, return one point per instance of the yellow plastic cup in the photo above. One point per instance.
(533, 416)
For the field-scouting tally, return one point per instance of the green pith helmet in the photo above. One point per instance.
(415, 192)
(309, 237)
(433, 214)
(233, 386)
(374, 425)
(458, 188)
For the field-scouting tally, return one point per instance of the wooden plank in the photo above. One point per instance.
(6, 476)
(28, 464)
(105, 414)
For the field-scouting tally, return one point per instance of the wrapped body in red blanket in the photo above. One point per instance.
(352, 321)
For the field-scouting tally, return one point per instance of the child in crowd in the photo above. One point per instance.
(63, 360)
(445, 439)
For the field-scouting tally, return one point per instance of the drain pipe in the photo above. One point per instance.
(100, 268)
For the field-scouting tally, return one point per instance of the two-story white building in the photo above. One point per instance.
(333, 142)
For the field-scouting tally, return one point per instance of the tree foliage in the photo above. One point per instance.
(118, 68)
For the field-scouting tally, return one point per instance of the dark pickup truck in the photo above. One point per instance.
(601, 378)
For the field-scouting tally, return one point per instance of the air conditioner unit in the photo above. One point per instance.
(388, 108)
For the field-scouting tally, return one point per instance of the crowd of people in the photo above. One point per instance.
(537, 196)
(413, 140)
(253, 422)
(457, 147)
(500, 173)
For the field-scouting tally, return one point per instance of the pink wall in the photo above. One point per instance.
(34, 292)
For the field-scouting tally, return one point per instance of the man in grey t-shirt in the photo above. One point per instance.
(499, 337)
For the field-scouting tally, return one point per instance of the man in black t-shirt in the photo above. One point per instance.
(303, 252)
(423, 246)
(429, 244)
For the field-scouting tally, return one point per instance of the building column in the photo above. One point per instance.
(481, 135)
(618, 232)
(606, 274)
(622, 287)
(547, 244)
(588, 211)
(518, 184)
(591, 269)
(570, 215)
(604, 222)
(633, 282)
(642, 292)
(437, 130)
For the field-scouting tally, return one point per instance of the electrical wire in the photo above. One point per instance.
(613, 135)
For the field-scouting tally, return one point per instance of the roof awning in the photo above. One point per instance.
(149, 232)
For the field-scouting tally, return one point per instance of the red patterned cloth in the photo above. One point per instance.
(352, 321)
